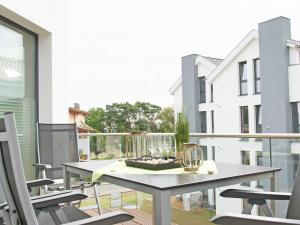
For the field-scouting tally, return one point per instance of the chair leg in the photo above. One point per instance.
(6, 218)
(97, 199)
(53, 214)
(267, 211)
(42, 175)
(247, 210)
(82, 185)
(82, 189)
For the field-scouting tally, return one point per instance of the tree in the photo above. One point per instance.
(126, 117)
(166, 118)
(96, 119)
(146, 117)
(119, 117)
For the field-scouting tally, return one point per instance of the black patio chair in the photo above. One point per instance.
(20, 209)
(57, 144)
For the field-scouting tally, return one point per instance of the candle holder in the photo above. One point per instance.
(192, 157)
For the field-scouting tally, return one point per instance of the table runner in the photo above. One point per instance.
(119, 167)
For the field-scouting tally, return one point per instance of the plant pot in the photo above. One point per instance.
(83, 157)
(179, 155)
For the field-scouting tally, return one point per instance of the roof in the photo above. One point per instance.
(212, 62)
(215, 61)
(83, 127)
(253, 34)
(175, 85)
(293, 43)
(85, 113)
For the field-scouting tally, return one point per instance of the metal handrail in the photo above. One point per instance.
(102, 134)
(248, 135)
(210, 135)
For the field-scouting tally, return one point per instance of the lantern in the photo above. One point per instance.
(192, 157)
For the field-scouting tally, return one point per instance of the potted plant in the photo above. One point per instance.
(82, 154)
(182, 133)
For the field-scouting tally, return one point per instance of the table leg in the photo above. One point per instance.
(275, 186)
(67, 178)
(161, 208)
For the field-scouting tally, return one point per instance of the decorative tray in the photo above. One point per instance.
(153, 163)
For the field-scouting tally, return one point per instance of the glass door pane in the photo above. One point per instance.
(17, 86)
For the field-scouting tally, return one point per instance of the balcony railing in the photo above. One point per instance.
(277, 150)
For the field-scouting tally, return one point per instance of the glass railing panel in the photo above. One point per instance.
(234, 150)
(257, 151)
(285, 154)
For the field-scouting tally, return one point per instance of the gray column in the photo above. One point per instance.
(191, 91)
(274, 61)
(276, 108)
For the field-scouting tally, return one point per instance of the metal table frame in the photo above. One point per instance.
(161, 197)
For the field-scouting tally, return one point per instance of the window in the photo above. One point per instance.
(245, 160)
(18, 63)
(295, 163)
(203, 127)
(258, 122)
(244, 119)
(212, 114)
(211, 93)
(204, 150)
(243, 78)
(259, 158)
(213, 149)
(256, 64)
(202, 90)
(259, 162)
(296, 116)
(245, 157)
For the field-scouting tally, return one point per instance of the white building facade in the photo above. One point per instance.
(254, 89)
(33, 67)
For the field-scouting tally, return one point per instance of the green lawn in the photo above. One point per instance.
(199, 217)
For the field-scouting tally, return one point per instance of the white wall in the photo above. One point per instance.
(226, 94)
(294, 56)
(177, 100)
(47, 18)
(294, 81)
(204, 69)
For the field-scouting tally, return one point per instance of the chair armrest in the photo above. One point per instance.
(105, 219)
(50, 195)
(55, 200)
(39, 182)
(42, 166)
(39, 197)
(255, 195)
(237, 219)
(3, 205)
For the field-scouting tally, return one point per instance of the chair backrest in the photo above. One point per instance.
(57, 144)
(12, 176)
(2, 197)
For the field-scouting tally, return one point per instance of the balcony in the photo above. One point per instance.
(276, 150)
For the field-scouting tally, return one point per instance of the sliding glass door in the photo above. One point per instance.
(18, 81)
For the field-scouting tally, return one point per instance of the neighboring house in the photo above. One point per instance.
(254, 89)
(33, 68)
(76, 115)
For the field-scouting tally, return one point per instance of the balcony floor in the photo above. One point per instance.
(141, 218)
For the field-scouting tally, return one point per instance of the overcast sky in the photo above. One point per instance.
(130, 50)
